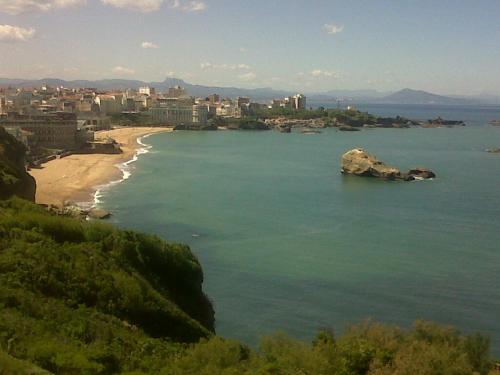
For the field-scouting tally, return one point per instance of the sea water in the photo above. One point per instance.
(288, 243)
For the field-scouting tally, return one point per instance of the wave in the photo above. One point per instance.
(126, 169)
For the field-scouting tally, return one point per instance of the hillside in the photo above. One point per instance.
(405, 96)
(14, 180)
(122, 84)
(66, 283)
(408, 96)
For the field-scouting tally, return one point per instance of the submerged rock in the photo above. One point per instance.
(360, 163)
(419, 174)
(97, 213)
(348, 128)
(493, 150)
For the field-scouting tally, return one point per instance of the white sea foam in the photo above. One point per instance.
(126, 169)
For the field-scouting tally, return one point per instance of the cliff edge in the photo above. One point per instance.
(14, 180)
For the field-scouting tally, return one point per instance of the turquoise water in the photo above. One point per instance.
(288, 243)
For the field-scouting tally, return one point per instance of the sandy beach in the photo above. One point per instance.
(75, 178)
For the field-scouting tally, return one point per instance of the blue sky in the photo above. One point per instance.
(447, 47)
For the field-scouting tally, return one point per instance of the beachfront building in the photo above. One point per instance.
(54, 130)
(174, 114)
(200, 114)
(299, 101)
(93, 122)
(242, 101)
(3, 105)
(146, 90)
(295, 102)
(213, 98)
(176, 92)
(110, 104)
(228, 109)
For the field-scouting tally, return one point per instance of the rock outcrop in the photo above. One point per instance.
(97, 213)
(14, 180)
(419, 174)
(348, 128)
(360, 163)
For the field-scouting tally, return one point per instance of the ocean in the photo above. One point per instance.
(289, 244)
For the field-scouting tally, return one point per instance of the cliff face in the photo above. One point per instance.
(67, 265)
(14, 180)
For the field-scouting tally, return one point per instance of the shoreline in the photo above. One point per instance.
(81, 178)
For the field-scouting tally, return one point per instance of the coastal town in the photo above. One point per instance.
(58, 121)
(57, 118)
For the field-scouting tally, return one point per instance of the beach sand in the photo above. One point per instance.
(75, 178)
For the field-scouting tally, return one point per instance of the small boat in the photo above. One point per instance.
(495, 122)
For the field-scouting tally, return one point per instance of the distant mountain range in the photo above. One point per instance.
(122, 84)
(405, 96)
(408, 96)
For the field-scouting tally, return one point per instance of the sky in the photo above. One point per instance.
(441, 46)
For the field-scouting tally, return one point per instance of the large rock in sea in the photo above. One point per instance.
(360, 163)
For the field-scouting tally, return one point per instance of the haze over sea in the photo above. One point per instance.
(288, 243)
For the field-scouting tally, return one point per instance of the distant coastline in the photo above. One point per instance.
(80, 179)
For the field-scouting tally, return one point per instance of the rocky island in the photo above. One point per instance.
(360, 163)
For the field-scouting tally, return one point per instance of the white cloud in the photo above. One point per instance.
(188, 6)
(122, 70)
(323, 73)
(333, 29)
(243, 49)
(24, 6)
(250, 76)
(143, 6)
(149, 45)
(170, 74)
(209, 65)
(9, 33)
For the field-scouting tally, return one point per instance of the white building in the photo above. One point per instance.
(146, 90)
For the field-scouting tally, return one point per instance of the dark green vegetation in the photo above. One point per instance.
(90, 293)
(245, 123)
(86, 298)
(13, 177)
(131, 119)
(334, 117)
